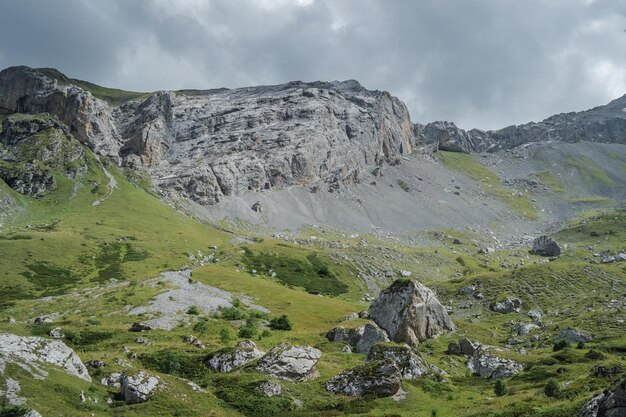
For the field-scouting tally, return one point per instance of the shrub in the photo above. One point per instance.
(202, 326)
(580, 345)
(560, 345)
(225, 335)
(247, 332)
(552, 388)
(280, 323)
(500, 388)
(194, 310)
(232, 313)
(174, 362)
(14, 411)
(87, 337)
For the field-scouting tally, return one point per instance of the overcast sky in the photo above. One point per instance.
(480, 63)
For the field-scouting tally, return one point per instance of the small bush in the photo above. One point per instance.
(232, 313)
(87, 337)
(500, 388)
(226, 335)
(560, 345)
(247, 332)
(552, 388)
(14, 411)
(202, 326)
(174, 362)
(280, 323)
(580, 345)
(193, 310)
(404, 185)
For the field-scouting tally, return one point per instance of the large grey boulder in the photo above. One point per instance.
(292, 363)
(463, 347)
(138, 388)
(30, 350)
(372, 334)
(612, 403)
(407, 359)
(545, 246)
(573, 336)
(349, 336)
(410, 313)
(228, 359)
(510, 305)
(378, 379)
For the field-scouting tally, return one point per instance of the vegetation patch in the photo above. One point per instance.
(242, 393)
(312, 274)
(50, 279)
(175, 362)
(588, 169)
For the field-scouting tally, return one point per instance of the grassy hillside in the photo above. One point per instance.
(87, 266)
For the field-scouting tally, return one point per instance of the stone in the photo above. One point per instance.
(545, 246)
(257, 207)
(227, 359)
(138, 388)
(270, 388)
(42, 320)
(463, 347)
(291, 363)
(29, 351)
(573, 336)
(408, 360)
(535, 316)
(611, 403)
(112, 380)
(487, 365)
(410, 313)
(140, 327)
(510, 305)
(601, 371)
(95, 364)
(56, 333)
(523, 329)
(342, 334)
(376, 379)
(352, 316)
(372, 334)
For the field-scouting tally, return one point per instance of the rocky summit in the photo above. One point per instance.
(304, 249)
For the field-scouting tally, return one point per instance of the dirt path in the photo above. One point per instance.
(110, 186)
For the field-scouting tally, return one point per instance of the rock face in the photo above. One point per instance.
(610, 404)
(361, 338)
(378, 379)
(572, 335)
(410, 312)
(509, 305)
(408, 360)
(31, 351)
(545, 246)
(292, 363)
(606, 124)
(463, 347)
(138, 388)
(229, 359)
(349, 336)
(207, 144)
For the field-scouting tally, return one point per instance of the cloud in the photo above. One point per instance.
(479, 63)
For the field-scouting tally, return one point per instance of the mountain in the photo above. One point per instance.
(268, 251)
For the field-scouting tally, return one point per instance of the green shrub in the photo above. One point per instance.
(87, 337)
(552, 388)
(247, 332)
(560, 345)
(225, 335)
(202, 326)
(232, 313)
(500, 388)
(193, 310)
(14, 411)
(404, 185)
(280, 323)
(174, 362)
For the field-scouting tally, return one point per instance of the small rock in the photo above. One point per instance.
(138, 388)
(545, 246)
(140, 327)
(509, 305)
(270, 388)
(572, 335)
(56, 333)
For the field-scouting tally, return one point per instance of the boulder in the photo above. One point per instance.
(487, 365)
(601, 371)
(377, 379)
(30, 350)
(408, 360)
(292, 363)
(573, 336)
(270, 389)
(523, 329)
(138, 388)
(410, 313)
(56, 333)
(112, 380)
(139, 327)
(510, 305)
(545, 246)
(349, 336)
(612, 403)
(228, 359)
(372, 334)
(463, 347)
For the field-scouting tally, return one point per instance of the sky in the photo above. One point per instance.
(480, 63)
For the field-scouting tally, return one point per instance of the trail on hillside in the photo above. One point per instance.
(110, 186)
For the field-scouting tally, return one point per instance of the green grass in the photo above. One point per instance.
(490, 183)
(112, 95)
(551, 181)
(588, 169)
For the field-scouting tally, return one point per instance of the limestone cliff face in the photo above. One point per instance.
(604, 124)
(204, 145)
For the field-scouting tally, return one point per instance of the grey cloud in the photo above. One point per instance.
(479, 63)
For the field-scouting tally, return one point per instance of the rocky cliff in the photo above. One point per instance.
(204, 145)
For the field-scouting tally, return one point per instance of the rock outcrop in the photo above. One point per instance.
(408, 360)
(510, 305)
(361, 338)
(138, 388)
(410, 313)
(377, 379)
(612, 403)
(230, 358)
(486, 364)
(292, 363)
(573, 336)
(32, 352)
(545, 246)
